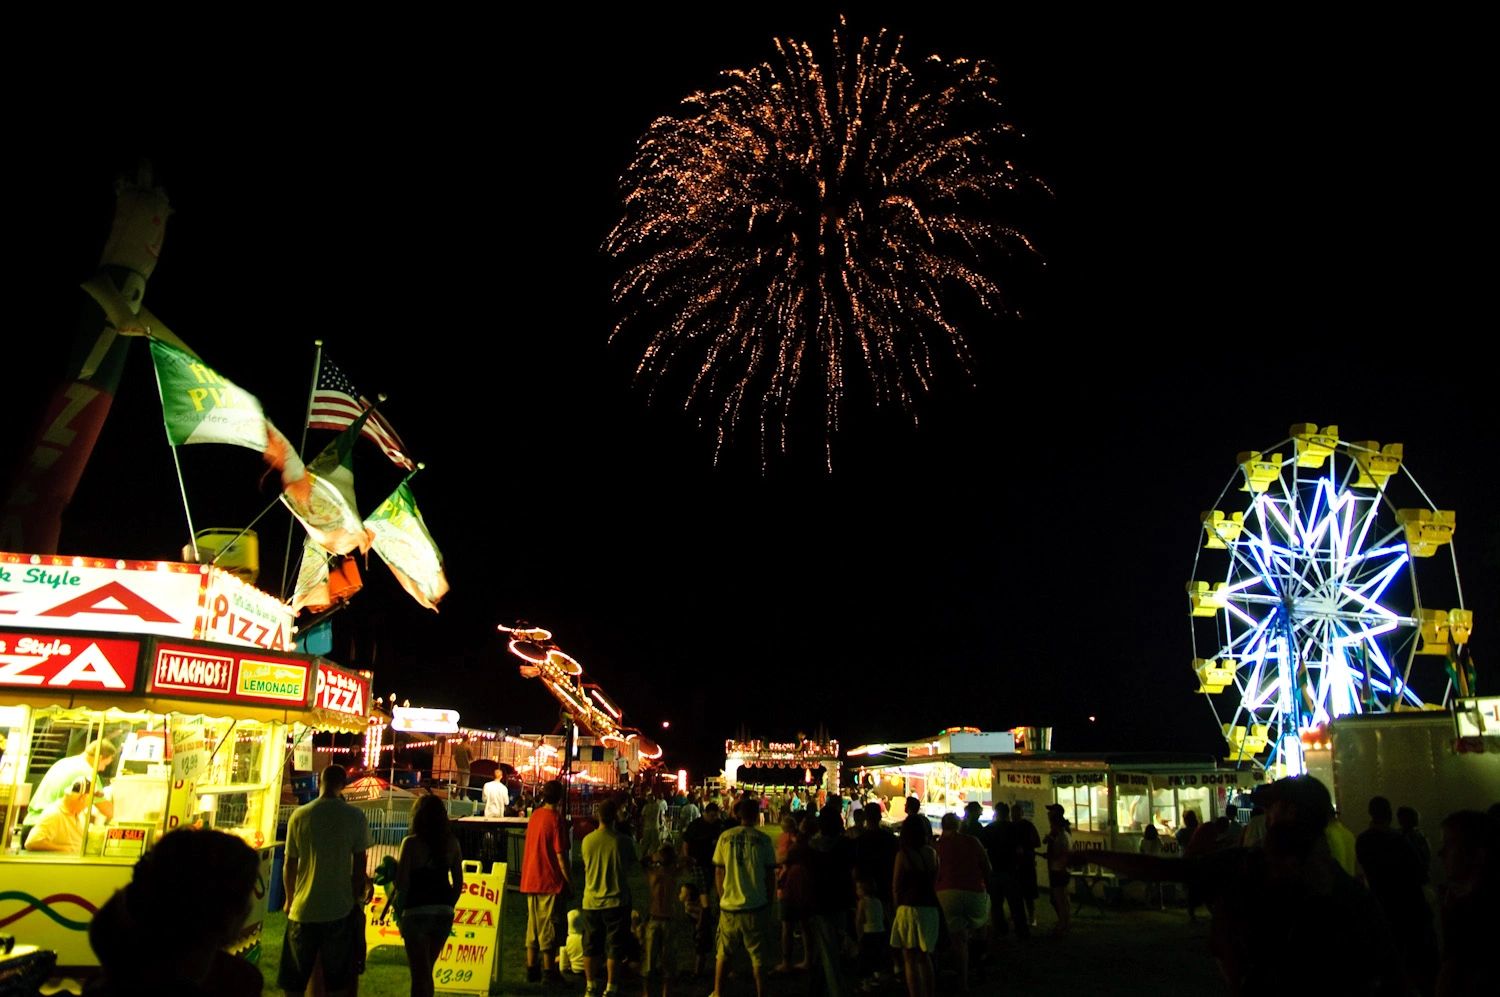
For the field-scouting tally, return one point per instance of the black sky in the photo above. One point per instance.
(1256, 223)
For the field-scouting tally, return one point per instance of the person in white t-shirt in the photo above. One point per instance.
(496, 797)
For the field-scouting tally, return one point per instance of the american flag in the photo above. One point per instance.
(337, 403)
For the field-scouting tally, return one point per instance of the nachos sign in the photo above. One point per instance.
(213, 672)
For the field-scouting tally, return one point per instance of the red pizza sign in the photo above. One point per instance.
(54, 660)
(341, 691)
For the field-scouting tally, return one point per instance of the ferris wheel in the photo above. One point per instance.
(1305, 600)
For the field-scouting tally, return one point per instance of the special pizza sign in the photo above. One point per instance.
(51, 660)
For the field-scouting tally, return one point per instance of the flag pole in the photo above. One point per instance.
(226, 548)
(286, 560)
(181, 484)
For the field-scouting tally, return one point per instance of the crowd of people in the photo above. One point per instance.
(848, 897)
(844, 896)
(856, 901)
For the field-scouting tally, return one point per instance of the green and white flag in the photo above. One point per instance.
(402, 541)
(200, 405)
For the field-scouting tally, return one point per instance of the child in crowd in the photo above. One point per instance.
(572, 953)
(703, 927)
(630, 957)
(869, 918)
(656, 954)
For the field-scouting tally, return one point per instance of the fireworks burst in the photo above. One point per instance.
(791, 221)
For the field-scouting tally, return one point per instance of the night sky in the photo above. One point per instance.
(1255, 223)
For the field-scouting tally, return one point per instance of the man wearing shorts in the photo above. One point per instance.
(606, 899)
(544, 884)
(324, 875)
(744, 867)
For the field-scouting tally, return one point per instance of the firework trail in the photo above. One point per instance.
(792, 222)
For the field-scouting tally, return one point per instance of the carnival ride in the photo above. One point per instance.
(584, 702)
(1313, 608)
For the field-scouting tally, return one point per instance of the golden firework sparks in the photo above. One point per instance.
(789, 222)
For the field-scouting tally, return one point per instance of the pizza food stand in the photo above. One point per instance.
(189, 673)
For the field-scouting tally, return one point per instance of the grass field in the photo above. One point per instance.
(1126, 952)
(1122, 950)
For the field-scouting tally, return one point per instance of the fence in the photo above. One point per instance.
(387, 827)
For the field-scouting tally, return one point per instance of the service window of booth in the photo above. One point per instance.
(1133, 809)
(233, 771)
(110, 755)
(1086, 807)
(15, 791)
(1197, 799)
(166, 771)
(1164, 811)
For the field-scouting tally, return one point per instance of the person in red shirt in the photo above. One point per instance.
(544, 884)
(963, 889)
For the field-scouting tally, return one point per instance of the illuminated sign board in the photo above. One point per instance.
(161, 598)
(273, 681)
(342, 691)
(61, 593)
(1031, 779)
(227, 675)
(236, 613)
(412, 720)
(191, 672)
(55, 660)
(1477, 717)
(1189, 779)
(1077, 778)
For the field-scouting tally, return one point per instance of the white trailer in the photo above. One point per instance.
(1435, 761)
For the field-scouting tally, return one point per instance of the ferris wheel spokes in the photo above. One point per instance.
(1308, 619)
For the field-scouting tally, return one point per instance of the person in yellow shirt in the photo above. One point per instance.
(86, 765)
(1341, 843)
(64, 825)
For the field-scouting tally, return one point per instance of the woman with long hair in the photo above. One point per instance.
(914, 929)
(429, 881)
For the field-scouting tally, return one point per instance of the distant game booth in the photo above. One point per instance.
(811, 763)
(190, 676)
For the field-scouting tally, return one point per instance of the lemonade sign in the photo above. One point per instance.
(272, 680)
(468, 963)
